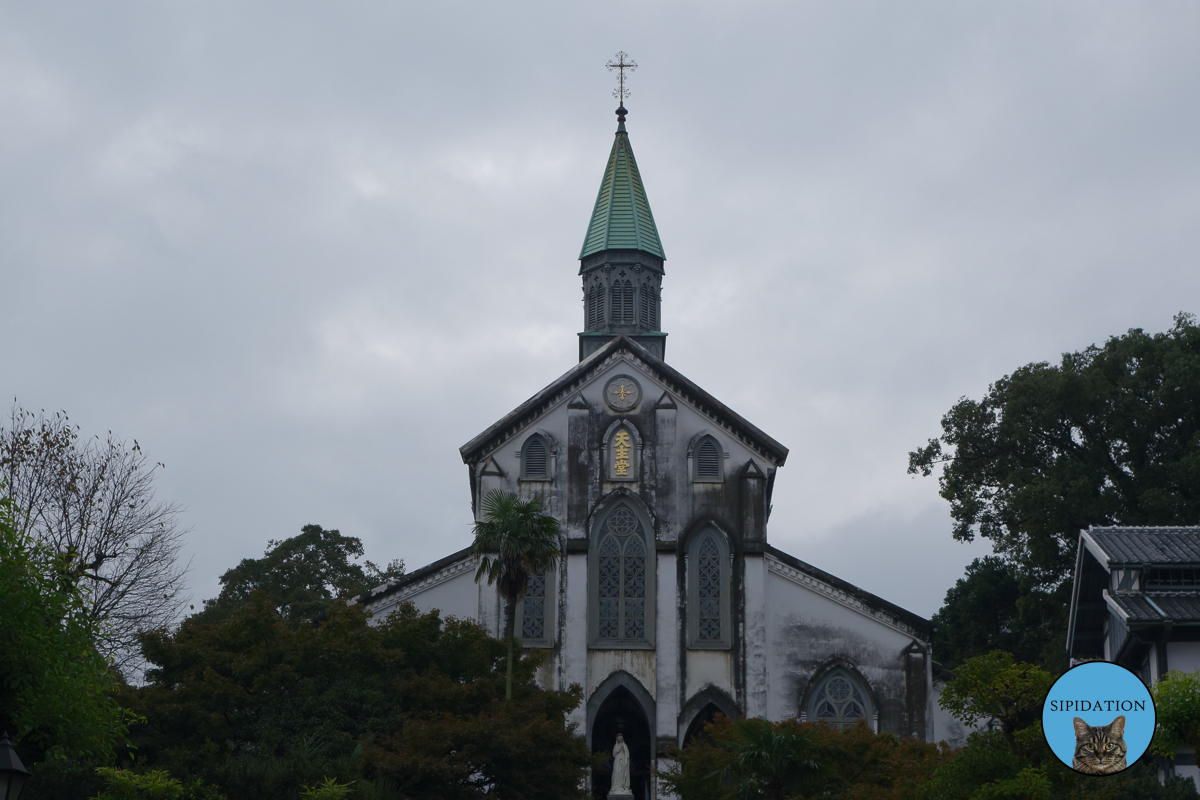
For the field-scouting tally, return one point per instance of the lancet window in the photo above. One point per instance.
(709, 461)
(535, 611)
(623, 581)
(709, 573)
(535, 459)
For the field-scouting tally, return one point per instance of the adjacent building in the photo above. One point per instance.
(1136, 602)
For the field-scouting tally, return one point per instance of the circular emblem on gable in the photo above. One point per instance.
(622, 393)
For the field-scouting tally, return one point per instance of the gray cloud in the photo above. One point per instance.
(302, 252)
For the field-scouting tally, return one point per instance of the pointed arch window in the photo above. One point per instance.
(709, 464)
(840, 700)
(621, 588)
(535, 459)
(535, 611)
(709, 571)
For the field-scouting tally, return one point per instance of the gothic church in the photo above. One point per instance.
(668, 603)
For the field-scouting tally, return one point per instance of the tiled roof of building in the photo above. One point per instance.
(1148, 545)
(1157, 607)
(622, 218)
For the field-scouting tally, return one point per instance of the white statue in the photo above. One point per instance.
(620, 769)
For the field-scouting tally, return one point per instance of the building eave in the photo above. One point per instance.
(573, 379)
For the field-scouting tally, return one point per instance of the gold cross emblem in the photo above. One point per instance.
(621, 392)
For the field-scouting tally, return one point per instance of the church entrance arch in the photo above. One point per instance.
(621, 712)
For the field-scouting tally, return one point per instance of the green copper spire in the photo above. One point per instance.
(622, 219)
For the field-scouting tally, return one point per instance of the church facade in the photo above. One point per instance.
(668, 604)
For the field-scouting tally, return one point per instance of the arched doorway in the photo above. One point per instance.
(696, 728)
(622, 713)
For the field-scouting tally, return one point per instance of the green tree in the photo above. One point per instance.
(1109, 436)
(92, 502)
(157, 784)
(301, 576)
(1014, 761)
(514, 541)
(814, 759)
(1177, 706)
(989, 609)
(410, 706)
(56, 690)
(996, 686)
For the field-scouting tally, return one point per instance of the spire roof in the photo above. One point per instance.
(622, 219)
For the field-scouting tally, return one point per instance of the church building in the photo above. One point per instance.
(668, 604)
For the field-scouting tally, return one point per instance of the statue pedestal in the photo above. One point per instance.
(620, 796)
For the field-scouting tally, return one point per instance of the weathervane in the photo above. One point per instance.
(621, 64)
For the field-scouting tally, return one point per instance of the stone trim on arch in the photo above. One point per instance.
(609, 455)
(847, 667)
(551, 456)
(709, 555)
(622, 575)
(704, 473)
(709, 695)
(620, 678)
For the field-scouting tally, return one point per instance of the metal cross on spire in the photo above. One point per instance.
(623, 62)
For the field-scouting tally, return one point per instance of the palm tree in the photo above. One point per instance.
(514, 541)
(769, 760)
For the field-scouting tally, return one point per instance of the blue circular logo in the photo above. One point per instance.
(1098, 718)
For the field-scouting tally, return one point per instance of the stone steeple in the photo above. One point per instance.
(622, 258)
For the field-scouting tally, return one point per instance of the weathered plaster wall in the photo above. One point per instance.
(809, 631)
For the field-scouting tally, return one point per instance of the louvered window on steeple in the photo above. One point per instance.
(646, 307)
(595, 307)
(622, 303)
(653, 307)
(709, 461)
(535, 459)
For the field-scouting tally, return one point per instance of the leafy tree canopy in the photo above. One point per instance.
(1110, 436)
(300, 576)
(1177, 706)
(1015, 761)
(760, 759)
(992, 607)
(56, 691)
(411, 707)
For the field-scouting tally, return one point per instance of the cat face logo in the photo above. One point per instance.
(1099, 749)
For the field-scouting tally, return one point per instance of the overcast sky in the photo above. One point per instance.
(303, 251)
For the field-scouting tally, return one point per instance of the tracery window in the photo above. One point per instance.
(623, 581)
(708, 568)
(709, 461)
(709, 571)
(533, 620)
(535, 611)
(535, 459)
(840, 700)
